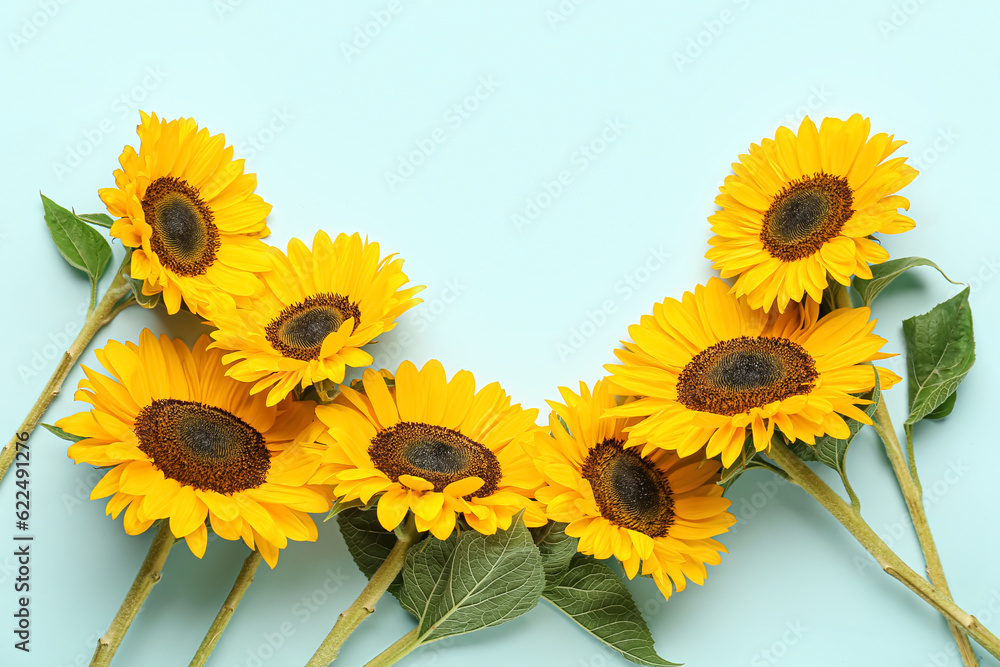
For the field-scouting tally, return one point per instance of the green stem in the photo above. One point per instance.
(801, 475)
(147, 577)
(364, 606)
(96, 319)
(909, 484)
(243, 581)
(908, 428)
(855, 501)
(401, 648)
(910, 489)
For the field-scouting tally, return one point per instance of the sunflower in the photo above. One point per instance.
(710, 366)
(185, 444)
(189, 211)
(317, 309)
(803, 208)
(654, 510)
(439, 448)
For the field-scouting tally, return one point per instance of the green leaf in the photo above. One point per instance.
(99, 219)
(471, 581)
(943, 410)
(81, 245)
(832, 452)
(803, 450)
(940, 352)
(368, 542)
(594, 596)
(59, 433)
(886, 272)
(557, 549)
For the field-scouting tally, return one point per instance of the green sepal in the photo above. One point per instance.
(59, 433)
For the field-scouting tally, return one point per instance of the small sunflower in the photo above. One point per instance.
(711, 366)
(439, 448)
(189, 211)
(803, 207)
(657, 511)
(317, 310)
(185, 444)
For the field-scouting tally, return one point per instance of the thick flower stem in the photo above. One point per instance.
(801, 475)
(243, 581)
(914, 503)
(97, 317)
(364, 606)
(147, 577)
(401, 648)
(909, 484)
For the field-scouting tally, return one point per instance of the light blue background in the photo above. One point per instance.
(321, 128)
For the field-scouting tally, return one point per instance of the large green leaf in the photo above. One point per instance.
(81, 245)
(557, 549)
(594, 596)
(472, 581)
(368, 542)
(940, 351)
(943, 410)
(886, 272)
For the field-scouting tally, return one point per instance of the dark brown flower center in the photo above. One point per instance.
(742, 373)
(805, 215)
(437, 454)
(202, 446)
(184, 237)
(630, 491)
(299, 331)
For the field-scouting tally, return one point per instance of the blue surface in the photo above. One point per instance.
(590, 112)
